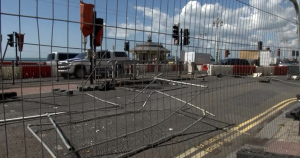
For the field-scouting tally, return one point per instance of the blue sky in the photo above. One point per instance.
(69, 35)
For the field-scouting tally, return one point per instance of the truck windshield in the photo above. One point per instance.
(120, 54)
(50, 57)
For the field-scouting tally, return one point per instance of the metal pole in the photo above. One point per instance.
(178, 82)
(59, 133)
(16, 47)
(4, 53)
(39, 139)
(57, 75)
(93, 47)
(13, 72)
(298, 20)
(217, 53)
(180, 39)
(180, 61)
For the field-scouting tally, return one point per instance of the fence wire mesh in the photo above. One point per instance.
(153, 78)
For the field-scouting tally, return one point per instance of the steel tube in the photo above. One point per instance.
(29, 117)
(60, 134)
(39, 139)
(184, 83)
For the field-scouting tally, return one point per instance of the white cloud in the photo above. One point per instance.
(266, 21)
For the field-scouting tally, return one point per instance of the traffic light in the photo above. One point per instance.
(175, 34)
(20, 41)
(11, 40)
(98, 31)
(259, 44)
(297, 53)
(227, 53)
(293, 53)
(278, 52)
(126, 46)
(186, 38)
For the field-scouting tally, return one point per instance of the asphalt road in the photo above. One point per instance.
(116, 123)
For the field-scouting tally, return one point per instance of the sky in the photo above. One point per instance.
(245, 22)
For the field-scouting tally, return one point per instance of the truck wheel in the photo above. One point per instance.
(65, 76)
(79, 73)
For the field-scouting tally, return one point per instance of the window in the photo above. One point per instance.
(101, 54)
(50, 57)
(120, 54)
(64, 56)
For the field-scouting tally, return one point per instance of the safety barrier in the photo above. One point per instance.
(293, 69)
(8, 73)
(243, 70)
(268, 70)
(248, 70)
(280, 70)
(220, 69)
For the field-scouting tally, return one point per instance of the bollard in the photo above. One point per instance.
(13, 72)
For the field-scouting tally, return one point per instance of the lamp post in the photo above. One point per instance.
(296, 5)
(203, 34)
(284, 41)
(217, 23)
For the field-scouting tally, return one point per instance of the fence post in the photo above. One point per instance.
(13, 72)
(57, 76)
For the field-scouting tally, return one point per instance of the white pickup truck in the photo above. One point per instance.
(80, 65)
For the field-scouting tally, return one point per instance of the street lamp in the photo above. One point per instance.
(284, 41)
(203, 34)
(217, 23)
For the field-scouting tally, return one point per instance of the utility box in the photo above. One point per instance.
(265, 58)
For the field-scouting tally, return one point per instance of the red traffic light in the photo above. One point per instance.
(98, 31)
(226, 53)
(20, 41)
(86, 18)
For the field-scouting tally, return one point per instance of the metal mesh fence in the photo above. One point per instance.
(151, 78)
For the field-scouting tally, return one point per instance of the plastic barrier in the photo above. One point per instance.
(34, 71)
(280, 70)
(293, 70)
(7, 73)
(222, 69)
(175, 67)
(267, 70)
(243, 70)
(150, 68)
(199, 67)
(45, 71)
(204, 68)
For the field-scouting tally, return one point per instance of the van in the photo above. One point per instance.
(59, 56)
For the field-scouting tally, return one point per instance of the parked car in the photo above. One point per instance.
(59, 56)
(286, 62)
(79, 66)
(234, 61)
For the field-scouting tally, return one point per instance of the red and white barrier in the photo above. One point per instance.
(246, 70)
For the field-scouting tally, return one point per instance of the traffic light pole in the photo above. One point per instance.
(180, 61)
(16, 48)
(181, 40)
(2, 59)
(93, 48)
